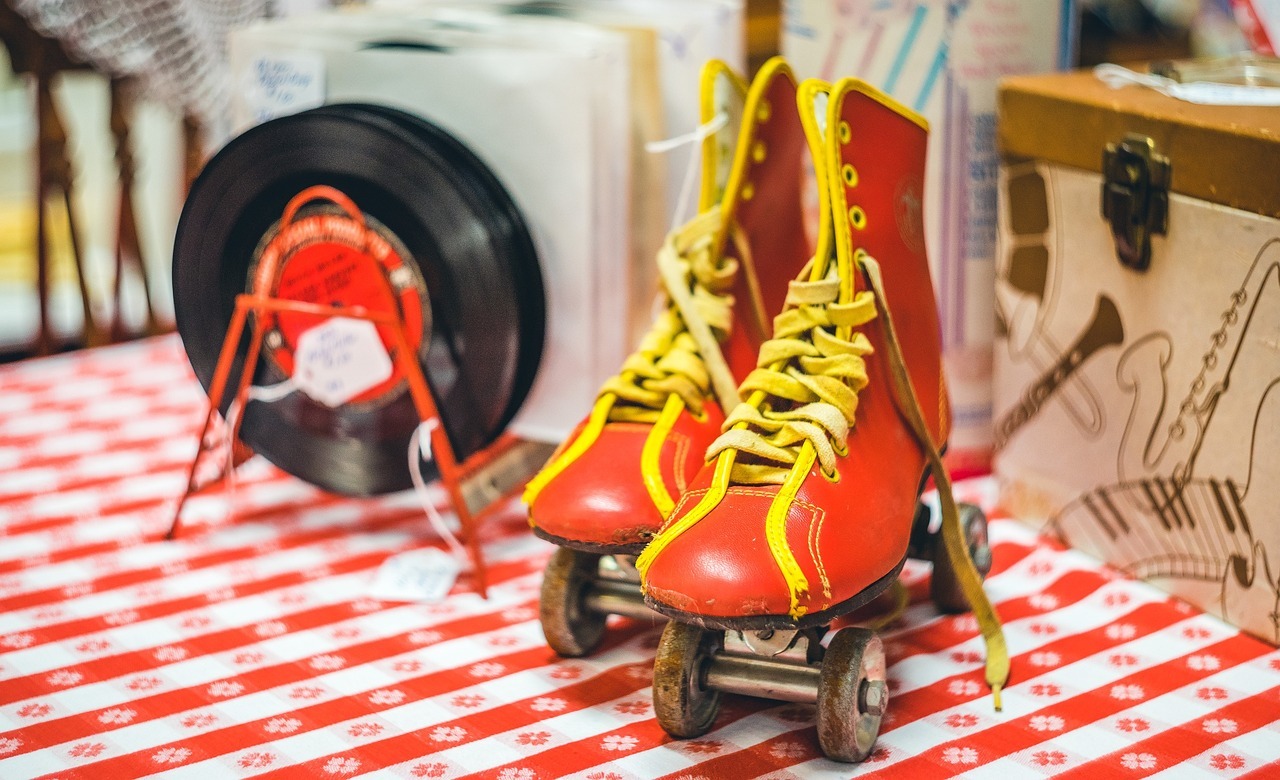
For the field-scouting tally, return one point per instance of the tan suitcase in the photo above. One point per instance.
(1137, 363)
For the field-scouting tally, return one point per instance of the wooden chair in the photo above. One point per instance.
(44, 58)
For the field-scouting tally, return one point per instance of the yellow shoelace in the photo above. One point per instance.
(814, 372)
(680, 354)
(679, 362)
(997, 665)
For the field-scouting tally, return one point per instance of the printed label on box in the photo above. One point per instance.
(283, 83)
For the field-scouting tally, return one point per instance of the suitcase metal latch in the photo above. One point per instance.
(1135, 197)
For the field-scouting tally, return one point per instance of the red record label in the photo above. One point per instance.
(337, 257)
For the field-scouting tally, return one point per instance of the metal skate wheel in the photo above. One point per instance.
(852, 695)
(571, 629)
(944, 588)
(684, 705)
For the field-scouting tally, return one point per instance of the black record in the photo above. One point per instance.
(484, 308)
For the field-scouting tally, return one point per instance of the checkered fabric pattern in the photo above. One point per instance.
(248, 646)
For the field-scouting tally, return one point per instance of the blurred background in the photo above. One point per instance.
(104, 119)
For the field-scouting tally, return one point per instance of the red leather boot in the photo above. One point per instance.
(804, 511)
(604, 494)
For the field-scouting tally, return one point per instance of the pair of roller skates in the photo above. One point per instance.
(723, 478)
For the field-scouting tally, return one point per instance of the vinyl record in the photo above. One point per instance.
(465, 272)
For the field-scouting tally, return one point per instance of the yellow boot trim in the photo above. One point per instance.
(679, 358)
(775, 531)
(997, 666)
(813, 119)
(820, 376)
(717, 77)
(755, 106)
(850, 84)
(719, 486)
(650, 456)
(679, 361)
(590, 432)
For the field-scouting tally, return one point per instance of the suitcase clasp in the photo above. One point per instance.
(1135, 197)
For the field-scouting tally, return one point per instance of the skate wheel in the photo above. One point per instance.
(685, 707)
(852, 695)
(944, 588)
(570, 628)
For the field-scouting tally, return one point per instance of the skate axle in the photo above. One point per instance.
(766, 678)
(846, 681)
(873, 697)
(769, 642)
(617, 597)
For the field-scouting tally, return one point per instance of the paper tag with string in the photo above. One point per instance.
(416, 575)
(419, 451)
(695, 136)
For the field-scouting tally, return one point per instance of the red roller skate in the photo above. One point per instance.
(604, 494)
(804, 510)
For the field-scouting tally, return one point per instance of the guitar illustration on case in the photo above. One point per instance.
(1168, 517)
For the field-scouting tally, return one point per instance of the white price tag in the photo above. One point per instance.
(339, 359)
(284, 82)
(416, 575)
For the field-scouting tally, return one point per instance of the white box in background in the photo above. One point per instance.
(687, 33)
(542, 102)
(670, 40)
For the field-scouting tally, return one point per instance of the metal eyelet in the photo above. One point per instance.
(758, 151)
(846, 132)
(850, 175)
(858, 217)
(764, 111)
(700, 416)
(748, 191)
(832, 478)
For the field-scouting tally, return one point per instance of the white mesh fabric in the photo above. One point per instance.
(176, 49)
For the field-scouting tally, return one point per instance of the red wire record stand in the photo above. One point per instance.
(471, 506)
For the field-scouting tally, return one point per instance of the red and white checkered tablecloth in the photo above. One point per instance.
(249, 646)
